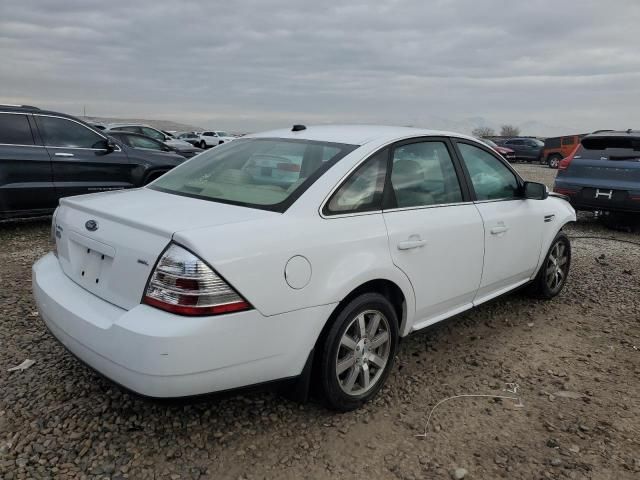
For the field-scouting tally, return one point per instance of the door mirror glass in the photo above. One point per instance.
(535, 191)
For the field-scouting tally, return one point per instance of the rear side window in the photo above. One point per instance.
(363, 190)
(141, 142)
(491, 178)
(423, 174)
(15, 130)
(61, 132)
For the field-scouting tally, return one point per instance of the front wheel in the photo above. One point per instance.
(555, 269)
(554, 161)
(358, 352)
(203, 145)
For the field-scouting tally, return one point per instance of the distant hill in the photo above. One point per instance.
(167, 125)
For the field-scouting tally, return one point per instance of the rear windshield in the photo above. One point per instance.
(609, 148)
(262, 173)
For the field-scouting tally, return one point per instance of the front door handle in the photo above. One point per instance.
(411, 244)
(63, 154)
(498, 230)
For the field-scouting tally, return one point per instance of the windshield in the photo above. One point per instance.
(266, 173)
(223, 134)
(609, 148)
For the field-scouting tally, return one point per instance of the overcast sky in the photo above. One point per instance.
(255, 64)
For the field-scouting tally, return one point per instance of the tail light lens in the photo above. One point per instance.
(565, 162)
(182, 283)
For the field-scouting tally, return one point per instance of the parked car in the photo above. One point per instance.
(185, 149)
(507, 153)
(603, 172)
(557, 148)
(526, 149)
(191, 137)
(136, 140)
(47, 155)
(214, 138)
(313, 280)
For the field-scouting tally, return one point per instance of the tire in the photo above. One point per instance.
(553, 161)
(203, 145)
(358, 355)
(554, 271)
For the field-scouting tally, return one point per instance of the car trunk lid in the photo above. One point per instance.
(108, 243)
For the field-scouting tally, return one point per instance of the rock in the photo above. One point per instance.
(555, 462)
(459, 473)
(574, 449)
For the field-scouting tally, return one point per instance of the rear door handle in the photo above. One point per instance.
(410, 244)
(498, 230)
(63, 154)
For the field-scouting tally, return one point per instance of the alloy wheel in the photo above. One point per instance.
(557, 266)
(363, 352)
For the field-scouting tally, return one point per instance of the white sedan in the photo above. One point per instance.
(231, 270)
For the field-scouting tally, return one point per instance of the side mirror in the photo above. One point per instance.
(535, 191)
(111, 145)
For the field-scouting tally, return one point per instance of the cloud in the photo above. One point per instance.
(253, 64)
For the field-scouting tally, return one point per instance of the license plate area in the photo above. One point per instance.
(605, 195)
(91, 262)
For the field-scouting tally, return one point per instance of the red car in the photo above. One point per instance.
(507, 153)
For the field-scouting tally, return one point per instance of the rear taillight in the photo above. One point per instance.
(54, 233)
(565, 191)
(182, 283)
(565, 162)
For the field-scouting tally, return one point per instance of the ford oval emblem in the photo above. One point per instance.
(91, 225)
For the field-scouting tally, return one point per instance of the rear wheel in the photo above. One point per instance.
(358, 352)
(555, 269)
(554, 161)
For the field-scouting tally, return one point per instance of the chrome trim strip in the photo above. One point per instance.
(20, 144)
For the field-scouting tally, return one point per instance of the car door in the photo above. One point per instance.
(436, 234)
(26, 179)
(80, 159)
(513, 225)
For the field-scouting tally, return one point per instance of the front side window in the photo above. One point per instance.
(363, 190)
(491, 179)
(568, 141)
(208, 134)
(61, 132)
(15, 130)
(423, 174)
(263, 173)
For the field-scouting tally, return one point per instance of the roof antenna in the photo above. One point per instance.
(298, 128)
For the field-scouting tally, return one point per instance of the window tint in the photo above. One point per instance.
(363, 190)
(60, 132)
(208, 134)
(514, 142)
(258, 172)
(568, 140)
(423, 174)
(15, 129)
(150, 132)
(141, 142)
(490, 177)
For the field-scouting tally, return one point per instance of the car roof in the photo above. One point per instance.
(614, 133)
(355, 134)
(127, 124)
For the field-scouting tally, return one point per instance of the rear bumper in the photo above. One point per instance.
(584, 198)
(158, 354)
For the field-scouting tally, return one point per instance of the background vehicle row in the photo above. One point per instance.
(47, 155)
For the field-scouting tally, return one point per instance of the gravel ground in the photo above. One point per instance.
(575, 360)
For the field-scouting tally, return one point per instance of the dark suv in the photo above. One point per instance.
(48, 155)
(603, 172)
(526, 149)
